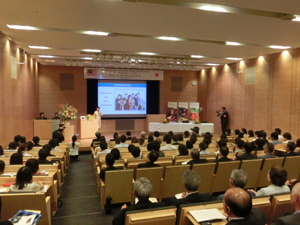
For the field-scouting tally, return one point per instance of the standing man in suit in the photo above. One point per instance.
(224, 118)
(237, 204)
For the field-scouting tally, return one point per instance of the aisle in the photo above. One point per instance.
(81, 203)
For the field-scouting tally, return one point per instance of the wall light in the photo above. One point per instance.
(197, 56)
(38, 47)
(46, 56)
(233, 58)
(279, 47)
(169, 38)
(100, 33)
(91, 50)
(147, 53)
(213, 8)
(232, 43)
(20, 27)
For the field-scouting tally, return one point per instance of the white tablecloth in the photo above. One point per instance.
(180, 127)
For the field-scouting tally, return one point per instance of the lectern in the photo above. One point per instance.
(44, 128)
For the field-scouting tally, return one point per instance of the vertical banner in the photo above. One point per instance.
(183, 111)
(194, 110)
(172, 111)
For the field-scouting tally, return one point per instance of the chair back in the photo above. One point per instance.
(252, 168)
(206, 172)
(292, 165)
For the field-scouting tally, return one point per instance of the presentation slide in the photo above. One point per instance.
(118, 99)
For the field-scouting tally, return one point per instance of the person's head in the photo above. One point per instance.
(74, 138)
(130, 147)
(29, 145)
(56, 115)
(207, 141)
(142, 188)
(244, 130)
(24, 177)
(182, 150)
(189, 145)
(116, 153)
(47, 147)
(43, 153)
(153, 156)
(123, 138)
(298, 142)
(269, 148)
(156, 145)
(240, 143)
(238, 178)
(42, 114)
(117, 140)
(98, 108)
(247, 147)
(175, 138)
(159, 140)
(150, 146)
(180, 137)
(195, 130)
(136, 151)
(143, 134)
(241, 135)
(2, 166)
(236, 131)
(128, 133)
(202, 146)
(141, 141)
(53, 143)
(224, 151)
(224, 137)
(109, 159)
(277, 175)
(295, 196)
(98, 135)
(260, 142)
(195, 154)
(170, 133)
(237, 202)
(115, 135)
(287, 136)
(191, 180)
(22, 148)
(156, 134)
(13, 145)
(16, 158)
(168, 139)
(186, 134)
(193, 138)
(103, 145)
(23, 139)
(251, 133)
(263, 134)
(1, 150)
(134, 140)
(150, 138)
(258, 133)
(291, 146)
(223, 109)
(277, 130)
(274, 136)
(33, 164)
(221, 143)
(17, 138)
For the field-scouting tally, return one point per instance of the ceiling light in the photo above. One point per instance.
(213, 8)
(232, 43)
(146, 53)
(233, 58)
(80, 63)
(297, 19)
(46, 56)
(197, 56)
(100, 33)
(169, 38)
(20, 27)
(212, 64)
(91, 50)
(88, 58)
(38, 47)
(279, 47)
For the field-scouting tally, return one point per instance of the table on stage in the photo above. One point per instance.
(180, 127)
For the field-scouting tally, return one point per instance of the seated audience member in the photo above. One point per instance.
(175, 139)
(191, 181)
(247, 148)
(221, 143)
(150, 146)
(250, 133)
(97, 139)
(196, 157)
(237, 204)
(241, 135)
(130, 147)
(114, 136)
(224, 137)
(207, 141)
(36, 141)
(74, 149)
(170, 133)
(136, 153)
(189, 145)
(123, 144)
(116, 153)
(196, 131)
(193, 138)
(53, 143)
(294, 218)
(24, 181)
(23, 149)
(142, 189)
(277, 176)
(244, 131)
(268, 150)
(1, 151)
(29, 145)
(156, 147)
(186, 134)
(141, 142)
(238, 178)
(23, 140)
(239, 146)
(16, 159)
(134, 140)
(17, 139)
(48, 148)
(117, 140)
(297, 149)
(182, 150)
(42, 116)
(33, 164)
(236, 132)
(57, 134)
(109, 161)
(287, 137)
(143, 135)
(128, 134)
(278, 131)
(203, 147)
(43, 153)
(152, 157)
(228, 132)
(290, 148)
(12, 147)
(159, 140)
(56, 116)
(180, 137)
(168, 145)
(2, 167)
(208, 135)
(274, 138)
(104, 149)
(223, 153)
(259, 143)
(156, 134)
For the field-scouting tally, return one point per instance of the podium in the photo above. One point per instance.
(44, 128)
(88, 128)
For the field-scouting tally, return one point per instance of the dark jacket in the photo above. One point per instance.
(223, 159)
(293, 219)
(288, 154)
(192, 198)
(44, 161)
(36, 145)
(224, 118)
(257, 217)
(57, 135)
(246, 156)
(147, 165)
(197, 161)
(94, 140)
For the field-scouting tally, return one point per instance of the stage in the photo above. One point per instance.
(180, 127)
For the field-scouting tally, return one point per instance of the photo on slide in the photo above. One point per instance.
(126, 99)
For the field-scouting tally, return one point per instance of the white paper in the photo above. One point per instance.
(184, 163)
(44, 189)
(26, 220)
(207, 215)
(178, 196)
(9, 174)
(3, 190)
(153, 200)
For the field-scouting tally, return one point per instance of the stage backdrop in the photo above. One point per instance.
(172, 111)
(194, 110)
(183, 111)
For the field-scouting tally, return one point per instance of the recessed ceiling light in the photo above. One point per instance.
(88, 58)
(233, 58)
(212, 64)
(232, 43)
(90, 32)
(169, 38)
(46, 56)
(147, 53)
(213, 8)
(38, 47)
(91, 50)
(20, 27)
(297, 19)
(279, 47)
(197, 56)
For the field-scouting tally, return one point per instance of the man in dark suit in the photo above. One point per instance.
(237, 204)
(57, 134)
(56, 116)
(142, 189)
(152, 157)
(224, 118)
(42, 116)
(98, 135)
(223, 152)
(195, 154)
(290, 148)
(128, 134)
(109, 160)
(293, 219)
(43, 153)
(247, 148)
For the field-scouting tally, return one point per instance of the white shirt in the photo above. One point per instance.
(169, 147)
(286, 141)
(105, 151)
(273, 190)
(279, 136)
(10, 150)
(122, 145)
(75, 150)
(26, 154)
(204, 152)
(28, 187)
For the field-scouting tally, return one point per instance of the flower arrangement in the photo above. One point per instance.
(196, 121)
(67, 112)
(165, 121)
(90, 117)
